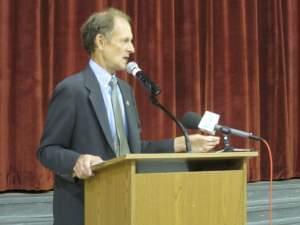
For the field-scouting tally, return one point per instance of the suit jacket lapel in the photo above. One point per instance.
(98, 104)
(131, 116)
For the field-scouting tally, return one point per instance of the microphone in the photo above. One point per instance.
(133, 69)
(209, 124)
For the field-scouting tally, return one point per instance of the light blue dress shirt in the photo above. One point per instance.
(104, 78)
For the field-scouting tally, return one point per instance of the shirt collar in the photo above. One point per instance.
(101, 74)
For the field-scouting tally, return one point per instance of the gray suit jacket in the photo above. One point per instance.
(77, 124)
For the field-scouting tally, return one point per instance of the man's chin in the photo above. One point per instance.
(123, 67)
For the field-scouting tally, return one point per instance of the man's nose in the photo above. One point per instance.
(131, 48)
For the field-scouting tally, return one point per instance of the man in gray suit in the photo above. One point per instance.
(81, 127)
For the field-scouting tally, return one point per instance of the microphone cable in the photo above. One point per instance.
(270, 191)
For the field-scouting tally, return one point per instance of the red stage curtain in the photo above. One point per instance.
(239, 58)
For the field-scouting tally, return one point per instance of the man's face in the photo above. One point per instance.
(117, 48)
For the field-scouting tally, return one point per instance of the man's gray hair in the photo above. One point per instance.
(99, 23)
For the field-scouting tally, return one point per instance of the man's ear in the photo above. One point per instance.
(100, 41)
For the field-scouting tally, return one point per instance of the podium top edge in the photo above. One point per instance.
(178, 156)
(207, 155)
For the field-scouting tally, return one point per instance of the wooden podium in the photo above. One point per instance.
(169, 189)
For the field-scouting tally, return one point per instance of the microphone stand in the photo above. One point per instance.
(155, 102)
(227, 147)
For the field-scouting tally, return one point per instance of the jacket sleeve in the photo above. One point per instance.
(161, 146)
(54, 151)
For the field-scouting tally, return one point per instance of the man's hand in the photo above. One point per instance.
(200, 143)
(82, 168)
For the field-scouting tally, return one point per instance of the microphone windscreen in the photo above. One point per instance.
(132, 68)
(191, 120)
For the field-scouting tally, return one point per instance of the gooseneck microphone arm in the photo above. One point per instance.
(188, 145)
(154, 90)
(148, 84)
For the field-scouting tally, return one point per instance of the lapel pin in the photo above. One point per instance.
(127, 103)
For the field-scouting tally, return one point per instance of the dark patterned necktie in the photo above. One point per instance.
(121, 143)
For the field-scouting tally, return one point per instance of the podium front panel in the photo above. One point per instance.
(210, 198)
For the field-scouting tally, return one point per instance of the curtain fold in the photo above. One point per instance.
(237, 58)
